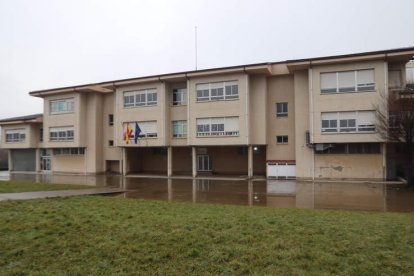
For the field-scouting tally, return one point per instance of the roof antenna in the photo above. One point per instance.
(195, 41)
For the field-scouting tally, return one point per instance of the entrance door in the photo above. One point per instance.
(203, 163)
(46, 160)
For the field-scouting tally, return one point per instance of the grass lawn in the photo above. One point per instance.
(21, 186)
(105, 235)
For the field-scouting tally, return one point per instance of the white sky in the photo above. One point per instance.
(50, 43)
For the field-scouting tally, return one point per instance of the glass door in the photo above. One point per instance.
(203, 163)
(46, 160)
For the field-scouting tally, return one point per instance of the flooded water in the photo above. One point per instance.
(270, 193)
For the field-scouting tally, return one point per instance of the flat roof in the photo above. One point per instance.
(99, 86)
(34, 118)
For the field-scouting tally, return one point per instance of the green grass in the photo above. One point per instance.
(105, 235)
(21, 186)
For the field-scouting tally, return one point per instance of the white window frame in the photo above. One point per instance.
(179, 129)
(347, 122)
(283, 110)
(216, 127)
(143, 97)
(180, 95)
(357, 85)
(61, 134)
(284, 139)
(217, 91)
(69, 151)
(62, 106)
(17, 135)
(144, 126)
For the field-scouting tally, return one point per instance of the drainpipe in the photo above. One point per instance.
(189, 134)
(311, 116)
(247, 107)
(384, 145)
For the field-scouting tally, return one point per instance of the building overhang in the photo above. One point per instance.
(30, 119)
(398, 55)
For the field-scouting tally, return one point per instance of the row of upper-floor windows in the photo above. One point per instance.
(330, 82)
(228, 90)
(205, 127)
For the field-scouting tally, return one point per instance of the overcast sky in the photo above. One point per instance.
(47, 44)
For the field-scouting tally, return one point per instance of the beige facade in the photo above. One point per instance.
(311, 118)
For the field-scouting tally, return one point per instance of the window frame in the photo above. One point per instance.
(182, 94)
(68, 105)
(180, 125)
(216, 127)
(282, 113)
(357, 87)
(17, 135)
(217, 91)
(140, 98)
(351, 124)
(62, 134)
(282, 139)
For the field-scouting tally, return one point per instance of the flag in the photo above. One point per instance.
(137, 132)
(127, 133)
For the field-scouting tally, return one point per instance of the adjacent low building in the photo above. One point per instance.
(308, 118)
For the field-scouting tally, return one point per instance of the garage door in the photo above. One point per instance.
(24, 160)
(281, 170)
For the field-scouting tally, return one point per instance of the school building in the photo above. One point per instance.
(306, 119)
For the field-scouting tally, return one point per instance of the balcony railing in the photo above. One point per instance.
(218, 133)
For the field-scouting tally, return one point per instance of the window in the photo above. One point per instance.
(348, 81)
(281, 109)
(15, 135)
(69, 151)
(282, 139)
(146, 97)
(352, 148)
(348, 121)
(62, 106)
(203, 162)
(179, 129)
(111, 143)
(222, 126)
(41, 134)
(216, 91)
(61, 134)
(146, 129)
(111, 119)
(394, 78)
(179, 96)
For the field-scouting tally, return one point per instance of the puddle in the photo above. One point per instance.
(270, 193)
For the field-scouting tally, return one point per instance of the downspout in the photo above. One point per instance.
(189, 134)
(247, 107)
(311, 116)
(164, 111)
(384, 145)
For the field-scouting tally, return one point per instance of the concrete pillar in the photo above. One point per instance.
(169, 161)
(170, 190)
(250, 192)
(124, 161)
(37, 160)
(250, 162)
(10, 160)
(194, 159)
(194, 190)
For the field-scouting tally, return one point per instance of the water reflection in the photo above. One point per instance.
(271, 193)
